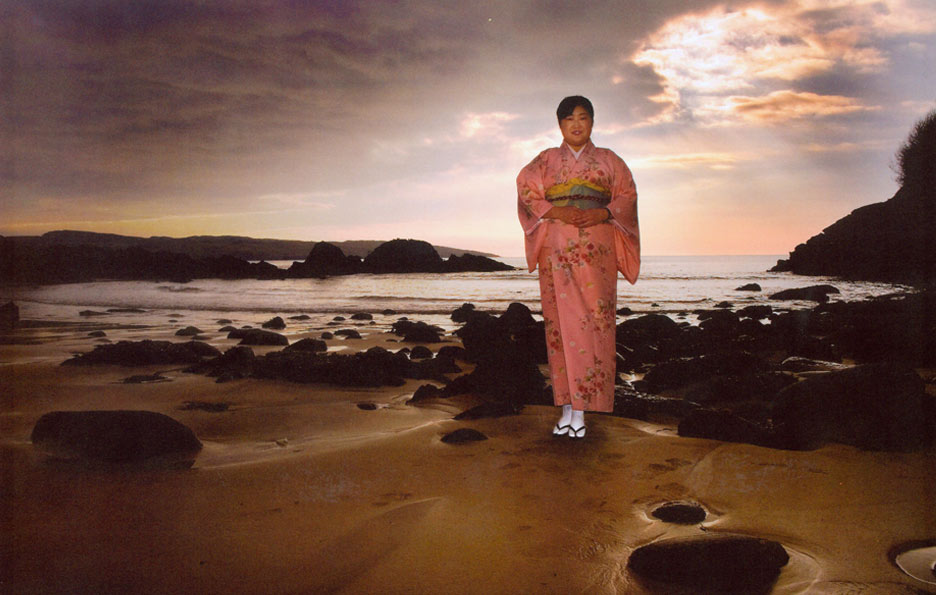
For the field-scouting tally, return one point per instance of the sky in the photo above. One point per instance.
(749, 126)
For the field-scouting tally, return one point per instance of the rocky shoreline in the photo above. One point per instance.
(843, 372)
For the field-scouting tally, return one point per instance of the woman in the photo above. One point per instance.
(578, 209)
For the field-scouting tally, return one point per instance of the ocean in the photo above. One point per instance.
(672, 285)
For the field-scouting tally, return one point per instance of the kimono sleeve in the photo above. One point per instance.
(532, 205)
(623, 207)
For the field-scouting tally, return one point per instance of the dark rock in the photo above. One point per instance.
(633, 404)
(420, 352)
(97, 334)
(403, 256)
(749, 287)
(815, 293)
(724, 426)
(9, 316)
(624, 311)
(308, 344)
(463, 312)
(339, 318)
(721, 389)
(226, 329)
(348, 333)
(367, 406)
(388, 312)
(189, 331)
(802, 364)
(362, 316)
(683, 371)
(141, 353)
(680, 513)
(275, 323)
(755, 312)
(115, 437)
(300, 317)
(374, 367)
(327, 335)
(452, 351)
(491, 409)
(724, 305)
(462, 436)
(205, 406)
(91, 313)
(255, 336)
(473, 262)
(517, 316)
(223, 321)
(873, 407)
(125, 311)
(325, 260)
(416, 332)
(143, 378)
(714, 561)
(635, 331)
(426, 391)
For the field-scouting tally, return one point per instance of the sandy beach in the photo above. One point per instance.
(299, 490)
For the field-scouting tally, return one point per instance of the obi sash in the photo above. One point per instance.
(578, 193)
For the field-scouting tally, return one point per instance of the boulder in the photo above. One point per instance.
(115, 437)
(142, 353)
(308, 344)
(711, 562)
(815, 293)
(462, 436)
(275, 323)
(724, 426)
(804, 364)
(189, 331)
(755, 312)
(348, 333)
(325, 260)
(426, 391)
(416, 332)
(749, 287)
(879, 406)
(473, 262)
(255, 336)
(633, 404)
(362, 316)
(420, 352)
(403, 256)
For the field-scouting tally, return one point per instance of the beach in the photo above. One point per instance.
(300, 490)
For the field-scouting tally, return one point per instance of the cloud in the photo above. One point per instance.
(477, 125)
(780, 106)
(716, 161)
(705, 60)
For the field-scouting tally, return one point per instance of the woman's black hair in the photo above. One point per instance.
(568, 105)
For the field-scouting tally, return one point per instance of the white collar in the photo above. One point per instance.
(578, 153)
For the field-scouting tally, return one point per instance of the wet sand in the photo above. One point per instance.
(298, 490)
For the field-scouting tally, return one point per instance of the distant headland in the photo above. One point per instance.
(892, 241)
(75, 256)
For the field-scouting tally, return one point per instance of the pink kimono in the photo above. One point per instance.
(578, 266)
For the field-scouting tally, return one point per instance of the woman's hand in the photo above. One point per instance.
(589, 217)
(565, 214)
(578, 217)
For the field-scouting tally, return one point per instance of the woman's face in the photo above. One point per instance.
(576, 128)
